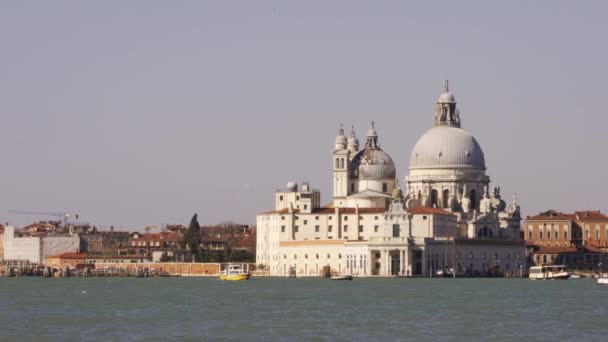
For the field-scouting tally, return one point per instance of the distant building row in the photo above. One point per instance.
(35, 243)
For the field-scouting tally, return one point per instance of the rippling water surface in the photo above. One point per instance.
(138, 309)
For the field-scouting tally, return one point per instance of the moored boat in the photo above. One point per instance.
(548, 272)
(342, 277)
(234, 272)
(602, 280)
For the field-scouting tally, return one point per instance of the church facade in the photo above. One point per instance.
(446, 222)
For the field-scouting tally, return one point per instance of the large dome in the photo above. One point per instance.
(372, 163)
(447, 147)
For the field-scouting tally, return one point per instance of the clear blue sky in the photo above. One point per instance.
(142, 112)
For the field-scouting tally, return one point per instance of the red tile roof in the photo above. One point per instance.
(551, 215)
(94, 256)
(555, 250)
(582, 215)
(69, 255)
(590, 215)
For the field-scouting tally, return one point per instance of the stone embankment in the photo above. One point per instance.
(151, 269)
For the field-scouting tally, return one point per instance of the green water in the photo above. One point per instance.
(159, 309)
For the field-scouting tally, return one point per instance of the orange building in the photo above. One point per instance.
(578, 240)
(66, 259)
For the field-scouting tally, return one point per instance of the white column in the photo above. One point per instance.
(382, 270)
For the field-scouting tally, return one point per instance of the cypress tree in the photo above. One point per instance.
(192, 238)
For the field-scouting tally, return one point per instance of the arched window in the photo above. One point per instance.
(434, 198)
(337, 163)
(484, 232)
(473, 198)
(445, 199)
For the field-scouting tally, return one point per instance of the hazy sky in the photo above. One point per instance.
(142, 113)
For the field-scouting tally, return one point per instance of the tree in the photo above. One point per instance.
(166, 258)
(192, 239)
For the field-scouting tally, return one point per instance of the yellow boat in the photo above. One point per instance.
(234, 272)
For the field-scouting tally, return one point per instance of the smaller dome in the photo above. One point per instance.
(371, 164)
(341, 140)
(292, 186)
(446, 97)
(372, 132)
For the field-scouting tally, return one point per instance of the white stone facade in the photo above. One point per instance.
(36, 249)
(446, 221)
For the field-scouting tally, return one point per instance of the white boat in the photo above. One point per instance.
(548, 272)
(602, 280)
(575, 276)
(342, 277)
(447, 273)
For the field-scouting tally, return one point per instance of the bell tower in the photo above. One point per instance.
(340, 169)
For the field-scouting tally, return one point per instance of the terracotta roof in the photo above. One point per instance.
(570, 249)
(428, 211)
(551, 215)
(246, 242)
(582, 215)
(69, 255)
(555, 250)
(155, 236)
(93, 256)
(590, 215)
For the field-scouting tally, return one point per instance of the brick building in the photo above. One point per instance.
(578, 240)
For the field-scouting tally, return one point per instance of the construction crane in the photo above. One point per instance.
(64, 216)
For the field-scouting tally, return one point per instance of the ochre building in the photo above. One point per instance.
(578, 240)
